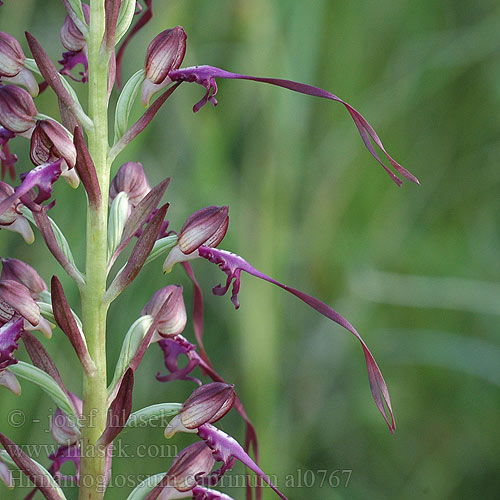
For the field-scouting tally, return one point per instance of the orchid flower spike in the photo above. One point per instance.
(173, 319)
(164, 53)
(206, 76)
(207, 226)
(12, 68)
(76, 45)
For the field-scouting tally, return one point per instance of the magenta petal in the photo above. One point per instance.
(71, 59)
(65, 454)
(172, 349)
(233, 264)
(9, 337)
(7, 159)
(41, 177)
(206, 75)
(225, 448)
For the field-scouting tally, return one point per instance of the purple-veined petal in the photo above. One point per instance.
(70, 60)
(9, 337)
(226, 448)
(233, 265)
(206, 75)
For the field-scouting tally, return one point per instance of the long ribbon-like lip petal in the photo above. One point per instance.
(233, 264)
(206, 75)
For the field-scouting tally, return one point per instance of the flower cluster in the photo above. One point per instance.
(127, 212)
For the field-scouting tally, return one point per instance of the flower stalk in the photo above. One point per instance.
(93, 459)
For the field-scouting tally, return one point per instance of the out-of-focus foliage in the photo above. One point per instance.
(415, 269)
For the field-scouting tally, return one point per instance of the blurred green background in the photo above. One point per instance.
(415, 269)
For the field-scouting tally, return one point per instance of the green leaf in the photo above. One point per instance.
(125, 103)
(118, 215)
(141, 491)
(125, 16)
(153, 416)
(131, 343)
(45, 382)
(161, 247)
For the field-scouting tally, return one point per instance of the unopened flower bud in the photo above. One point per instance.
(11, 55)
(173, 320)
(51, 141)
(11, 219)
(207, 226)
(207, 404)
(71, 37)
(12, 64)
(17, 109)
(15, 298)
(17, 270)
(164, 53)
(130, 179)
(192, 464)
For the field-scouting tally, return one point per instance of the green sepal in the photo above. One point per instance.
(118, 216)
(125, 103)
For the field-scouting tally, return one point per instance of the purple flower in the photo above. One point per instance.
(17, 110)
(64, 454)
(130, 179)
(15, 301)
(164, 54)
(50, 141)
(207, 404)
(12, 68)
(10, 333)
(206, 77)
(74, 41)
(17, 270)
(174, 318)
(233, 265)
(63, 429)
(42, 178)
(206, 226)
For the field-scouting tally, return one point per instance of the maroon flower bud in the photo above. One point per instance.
(173, 320)
(164, 53)
(11, 55)
(17, 270)
(51, 141)
(12, 64)
(132, 180)
(17, 109)
(187, 470)
(207, 227)
(15, 299)
(71, 37)
(207, 404)
(11, 219)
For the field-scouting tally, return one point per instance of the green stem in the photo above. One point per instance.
(93, 312)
